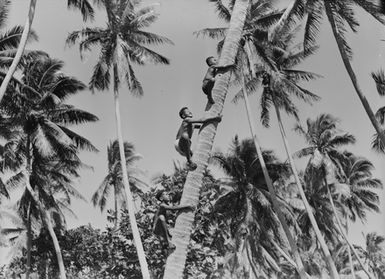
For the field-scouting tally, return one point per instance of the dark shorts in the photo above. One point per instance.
(207, 87)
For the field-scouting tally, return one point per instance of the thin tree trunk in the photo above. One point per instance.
(181, 234)
(340, 228)
(20, 49)
(352, 75)
(299, 265)
(321, 240)
(116, 207)
(44, 215)
(350, 253)
(130, 205)
(29, 241)
(56, 245)
(283, 20)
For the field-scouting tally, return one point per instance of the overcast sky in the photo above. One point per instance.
(152, 121)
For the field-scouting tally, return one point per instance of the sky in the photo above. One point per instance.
(151, 122)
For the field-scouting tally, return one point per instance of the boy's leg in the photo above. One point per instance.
(207, 89)
(166, 234)
(185, 146)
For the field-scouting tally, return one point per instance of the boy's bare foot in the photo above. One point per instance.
(191, 165)
(171, 246)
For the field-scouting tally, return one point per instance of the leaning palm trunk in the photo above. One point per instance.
(130, 202)
(351, 73)
(20, 49)
(181, 234)
(44, 215)
(350, 253)
(321, 240)
(343, 234)
(299, 265)
(29, 241)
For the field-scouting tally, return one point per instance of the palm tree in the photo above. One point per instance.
(83, 5)
(247, 200)
(41, 114)
(176, 261)
(354, 194)
(323, 139)
(122, 43)
(113, 180)
(341, 16)
(374, 254)
(379, 79)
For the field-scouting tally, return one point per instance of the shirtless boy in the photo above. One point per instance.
(183, 138)
(160, 221)
(212, 73)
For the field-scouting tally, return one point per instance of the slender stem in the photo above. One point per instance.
(340, 228)
(292, 243)
(29, 241)
(116, 207)
(350, 253)
(20, 49)
(130, 205)
(353, 78)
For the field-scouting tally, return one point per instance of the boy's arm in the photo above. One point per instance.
(203, 120)
(177, 207)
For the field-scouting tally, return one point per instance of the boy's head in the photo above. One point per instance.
(211, 60)
(163, 196)
(184, 112)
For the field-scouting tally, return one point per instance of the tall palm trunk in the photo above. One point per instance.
(29, 241)
(130, 202)
(352, 75)
(321, 240)
(44, 215)
(340, 228)
(181, 234)
(293, 245)
(116, 206)
(20, 49)
(283, 20)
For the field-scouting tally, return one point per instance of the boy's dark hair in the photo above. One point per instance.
(208, 60)
(181, 111)
(159, 194)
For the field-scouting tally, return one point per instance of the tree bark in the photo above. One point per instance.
(324, 247)
(340, 228)
(299, 265)
(116, 206)
(44, 215)
(130, 205)
(20, 49)
(29, 241)
(181, 234)
(353, 78)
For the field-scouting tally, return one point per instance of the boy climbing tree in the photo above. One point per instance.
(212, 72)
(183, 137)
(160, 221)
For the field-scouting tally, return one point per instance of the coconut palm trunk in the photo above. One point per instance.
(328, 258)
(293, 245)
(181, 233)
(116, 205)
(351, 73)
(343, 233)
(130, 202)
(29, 241)
(44, 215)
(350, 253)
(20, 49)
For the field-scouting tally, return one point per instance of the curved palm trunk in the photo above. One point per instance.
(44, 215)
(342, 231)
(352, 75)
(299, 265)
(329, 260)
(29, 241)
(20, 49)
(181, 233)
(130, 203)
